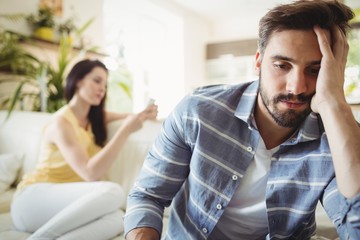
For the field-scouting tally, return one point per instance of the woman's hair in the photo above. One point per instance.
(303, 15)
(96, 114)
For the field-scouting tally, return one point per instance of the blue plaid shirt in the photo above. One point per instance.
(201, 156)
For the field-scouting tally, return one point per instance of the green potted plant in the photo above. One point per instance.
(66, 29)
(43, 88)
(43, 23)
(16, 65)
(13, 58)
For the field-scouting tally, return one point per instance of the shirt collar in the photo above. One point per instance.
(247, 101)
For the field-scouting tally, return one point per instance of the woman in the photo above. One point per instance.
(63, 198)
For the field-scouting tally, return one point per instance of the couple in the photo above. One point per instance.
(249, 161)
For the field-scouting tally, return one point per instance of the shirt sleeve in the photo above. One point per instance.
(352, 217)
(344, 213)
(163, 173)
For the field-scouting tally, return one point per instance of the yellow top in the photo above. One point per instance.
(52, 166)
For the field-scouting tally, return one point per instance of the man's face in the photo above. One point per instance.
(288, 71)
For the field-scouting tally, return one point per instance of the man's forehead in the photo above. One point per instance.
(293, 46)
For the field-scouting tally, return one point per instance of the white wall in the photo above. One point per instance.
(243, 25)
(17, 6)
(196, 35)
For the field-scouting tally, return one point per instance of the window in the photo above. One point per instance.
(352, 72)
(145, 42)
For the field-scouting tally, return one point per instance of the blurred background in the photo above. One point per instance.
(159, 49)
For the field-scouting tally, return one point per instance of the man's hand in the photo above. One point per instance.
(330, 81)
(343, 132)
(144, 233)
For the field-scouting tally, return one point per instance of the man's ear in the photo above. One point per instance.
(258, 58)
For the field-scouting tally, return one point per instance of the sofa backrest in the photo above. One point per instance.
(128, 162)
(21, 134)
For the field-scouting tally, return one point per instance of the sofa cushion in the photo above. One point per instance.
(22, 131)
(8, 231)
(10, 165)
(5, 200)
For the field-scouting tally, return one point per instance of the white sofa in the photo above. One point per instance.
(20, 136)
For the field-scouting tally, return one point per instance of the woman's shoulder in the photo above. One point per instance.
(61, 119)
(65, 114)
(64, 110)
(58, 126)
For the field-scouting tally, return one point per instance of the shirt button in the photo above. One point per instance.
(218, 206)
(234, 177)
(249, 149)
(204, 230)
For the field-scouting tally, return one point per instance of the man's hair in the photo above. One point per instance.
(303, 15)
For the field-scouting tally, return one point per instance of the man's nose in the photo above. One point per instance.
(296, 82)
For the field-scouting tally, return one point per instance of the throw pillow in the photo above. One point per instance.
(10, 165)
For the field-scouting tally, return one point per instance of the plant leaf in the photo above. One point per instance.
(80, 30)
(14, 99)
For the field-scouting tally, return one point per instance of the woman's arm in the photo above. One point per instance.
(150, 113)
(62, 134)
(113, 116)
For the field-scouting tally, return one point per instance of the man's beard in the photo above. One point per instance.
(289, 118)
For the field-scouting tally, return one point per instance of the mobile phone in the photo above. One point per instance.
(151, 102)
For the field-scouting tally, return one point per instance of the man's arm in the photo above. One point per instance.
(342, 130)
(143, 233)
(164, 171)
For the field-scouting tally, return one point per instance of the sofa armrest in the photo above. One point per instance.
(5, 200)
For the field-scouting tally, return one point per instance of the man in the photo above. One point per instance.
(252, 161)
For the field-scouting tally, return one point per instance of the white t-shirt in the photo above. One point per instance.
(245, 216)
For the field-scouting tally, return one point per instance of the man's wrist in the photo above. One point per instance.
(143, 233)
(337, 106)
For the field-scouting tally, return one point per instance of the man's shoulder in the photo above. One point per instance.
(211, 98)
(221, 89)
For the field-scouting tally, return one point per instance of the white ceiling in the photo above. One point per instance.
(219, 9)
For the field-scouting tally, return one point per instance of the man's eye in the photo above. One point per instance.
(280, 66)
(314, 71)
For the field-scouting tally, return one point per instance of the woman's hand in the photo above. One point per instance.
(150, 112)
(134, 122)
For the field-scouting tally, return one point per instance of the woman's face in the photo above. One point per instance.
(92, 87)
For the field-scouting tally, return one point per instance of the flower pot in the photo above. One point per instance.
(69, 40)
(45, 33)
